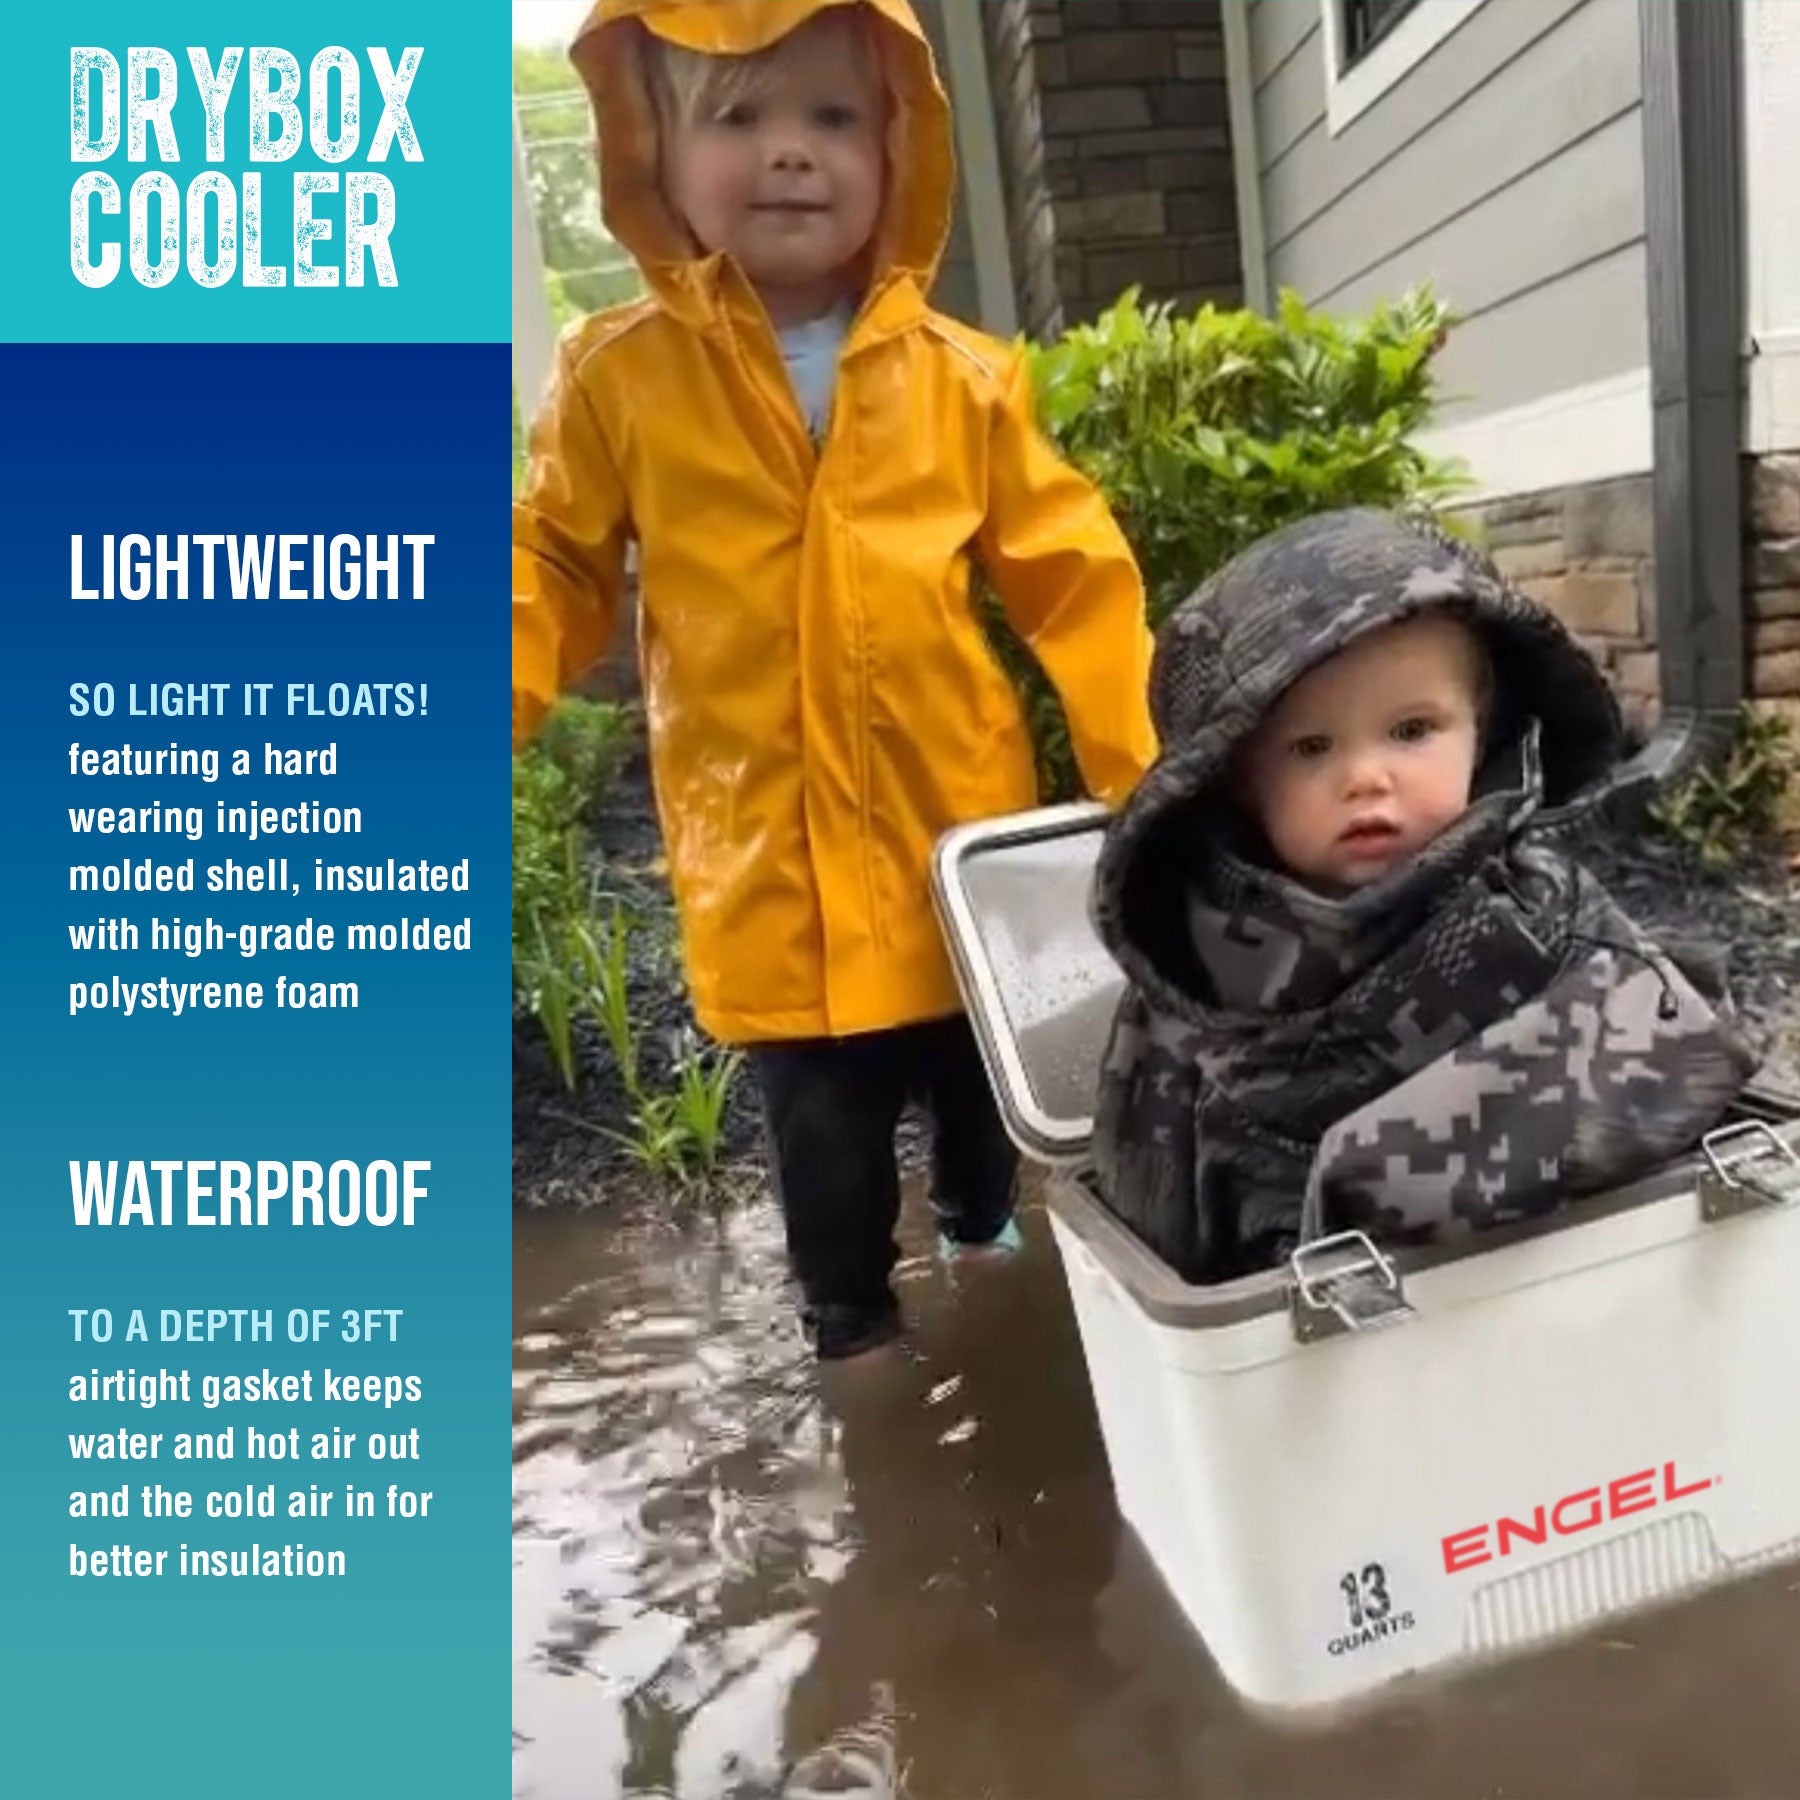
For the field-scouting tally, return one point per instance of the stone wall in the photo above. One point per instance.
(1772, 581)
(1112, 119)
(1587, 553)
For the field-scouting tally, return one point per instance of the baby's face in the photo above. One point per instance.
(1369, 756)
(789, 178)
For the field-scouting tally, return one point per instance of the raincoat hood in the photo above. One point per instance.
(1285, 605)
(921, 165)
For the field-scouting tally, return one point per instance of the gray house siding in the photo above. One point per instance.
(1505, 168)
(955, 291)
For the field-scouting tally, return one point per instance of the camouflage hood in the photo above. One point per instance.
(1288, 603)
(1473, 1038)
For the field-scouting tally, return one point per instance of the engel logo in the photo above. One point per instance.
(1580, 1511)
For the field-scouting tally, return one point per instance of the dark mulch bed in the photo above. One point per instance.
(1749, 916)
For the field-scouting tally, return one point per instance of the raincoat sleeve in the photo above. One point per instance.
(569, 530)
(1071, 588)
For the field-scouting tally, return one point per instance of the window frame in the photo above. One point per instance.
(1351, 88)
(1347, 14)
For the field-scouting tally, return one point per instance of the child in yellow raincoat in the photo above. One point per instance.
(810, 459)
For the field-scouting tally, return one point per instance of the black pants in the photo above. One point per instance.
(832, 1105)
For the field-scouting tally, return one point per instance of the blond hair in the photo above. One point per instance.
(690, 85)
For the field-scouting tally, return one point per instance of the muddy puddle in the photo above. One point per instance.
(735, 1578)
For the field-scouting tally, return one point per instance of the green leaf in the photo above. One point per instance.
(1208, 429)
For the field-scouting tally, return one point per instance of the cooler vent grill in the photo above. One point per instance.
(1562, 1596)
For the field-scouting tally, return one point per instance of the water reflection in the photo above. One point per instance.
(733, 1577)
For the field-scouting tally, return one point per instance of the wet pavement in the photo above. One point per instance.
(734, 1576)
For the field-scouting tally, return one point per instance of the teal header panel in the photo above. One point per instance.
(211, 172)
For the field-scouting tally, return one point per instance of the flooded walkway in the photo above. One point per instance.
(736, 1577)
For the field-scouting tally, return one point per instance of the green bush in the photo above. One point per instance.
(571, 959)
(1044, 717)
(1206, 432)
(587, 740)
(1726, 808)
(556, 780)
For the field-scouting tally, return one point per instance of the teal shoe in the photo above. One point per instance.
(1005, 1242)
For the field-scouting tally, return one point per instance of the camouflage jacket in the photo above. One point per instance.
(1473, 1038)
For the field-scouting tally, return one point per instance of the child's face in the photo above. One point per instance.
(1369, 756)
(788, 179)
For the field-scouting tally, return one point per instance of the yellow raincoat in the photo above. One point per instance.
(821, 702)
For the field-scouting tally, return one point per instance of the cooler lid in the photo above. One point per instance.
(1012, 897)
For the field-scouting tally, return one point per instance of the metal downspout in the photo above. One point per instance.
(978, 152)
(1246, 173)
(1693, 195)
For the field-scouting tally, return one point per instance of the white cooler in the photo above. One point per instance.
(1362, 1465)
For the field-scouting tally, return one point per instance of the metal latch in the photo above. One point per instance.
(1749, 1166)
(1343, 1283)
